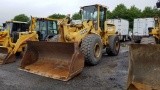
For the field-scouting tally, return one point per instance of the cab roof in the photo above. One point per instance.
(46, 18)
(95, 5)
(16, 22)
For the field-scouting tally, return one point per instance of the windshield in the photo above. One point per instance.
(46, 25)
(90, 13)
(52, 27)
(41, 26)
(6, 26)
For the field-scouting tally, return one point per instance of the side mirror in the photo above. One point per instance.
(80, 11)
(4, 24)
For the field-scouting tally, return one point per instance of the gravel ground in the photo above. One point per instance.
(110, 74)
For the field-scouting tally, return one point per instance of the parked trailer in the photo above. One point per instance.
(122, 28)
(141, 28)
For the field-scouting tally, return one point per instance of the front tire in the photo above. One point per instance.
(91, 47)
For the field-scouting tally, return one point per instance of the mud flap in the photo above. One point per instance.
(144, 67)
(56, 60)
(5, 57)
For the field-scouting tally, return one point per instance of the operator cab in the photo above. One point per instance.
(91, 13)
(46, 28)
(15, 27)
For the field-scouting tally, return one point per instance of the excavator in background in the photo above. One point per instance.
(144, 64)
(14, 42)
(63, 57)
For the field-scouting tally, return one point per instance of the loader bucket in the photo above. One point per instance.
(6, 57)
(144, 67)
(56, 60)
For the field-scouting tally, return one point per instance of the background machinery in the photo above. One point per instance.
(15, 42)
(144, 70)
(64, 56)
(11, 28)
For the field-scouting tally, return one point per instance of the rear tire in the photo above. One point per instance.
(114, 45)
(54, 38)
(91, 47)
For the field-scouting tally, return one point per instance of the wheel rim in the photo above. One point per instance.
(97, 50)
(117, 45)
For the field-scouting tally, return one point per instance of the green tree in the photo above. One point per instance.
(147, 12)
(76, 16)
(109, 15)
(57, 16)
(119, 11)
(133, 13)
(21, 17)
(156, 11)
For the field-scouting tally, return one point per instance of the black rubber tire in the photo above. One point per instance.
(111, 47)
(54, 38)
(87, 48)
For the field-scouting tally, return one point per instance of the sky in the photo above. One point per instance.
(44, 8)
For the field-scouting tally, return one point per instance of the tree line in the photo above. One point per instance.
(120, 11)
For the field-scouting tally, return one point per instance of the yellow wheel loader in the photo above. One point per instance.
(11, 28)
(144, 64)
(63, 57)
(12, 40)
(40, 29)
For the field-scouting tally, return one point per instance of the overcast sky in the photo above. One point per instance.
(44, 8)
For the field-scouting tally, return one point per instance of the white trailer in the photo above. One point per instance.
(141, 28)
(122, 28)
